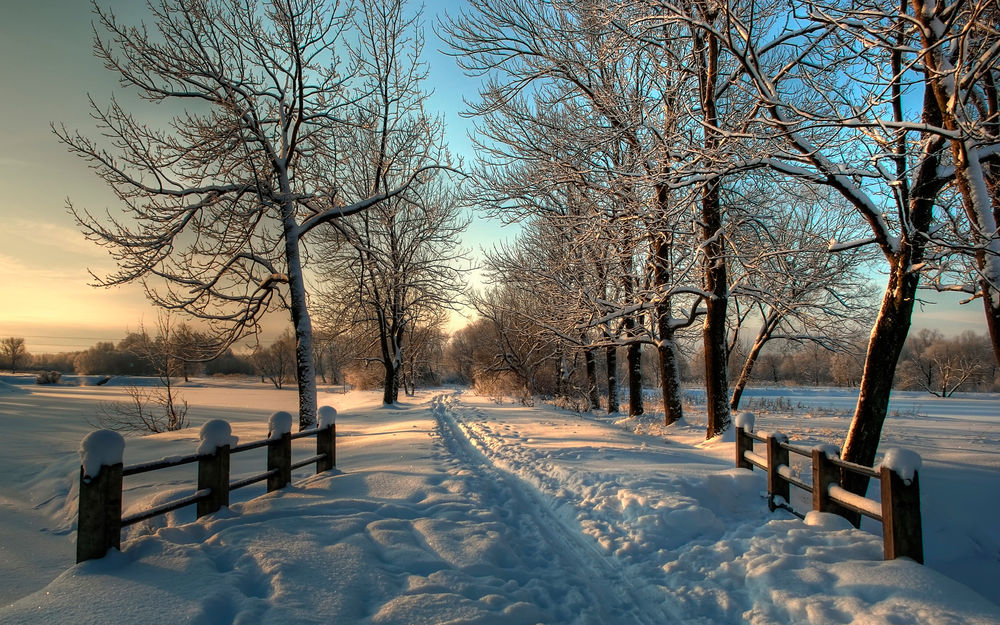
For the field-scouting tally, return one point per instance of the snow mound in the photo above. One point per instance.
(827, 521)
(215, 433)
(902, 462)
(100, 448)
(278, 424)
(745, 420)
(327, 416)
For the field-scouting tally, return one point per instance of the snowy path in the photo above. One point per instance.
(602, 593)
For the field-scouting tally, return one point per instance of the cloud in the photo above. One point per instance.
(54, 237)
(32, 294)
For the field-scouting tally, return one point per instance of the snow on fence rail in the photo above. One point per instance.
(899, 510)
(102, 473)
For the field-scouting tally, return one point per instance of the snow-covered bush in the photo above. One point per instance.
(48, 377)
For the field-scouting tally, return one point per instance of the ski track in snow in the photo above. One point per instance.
(603, 593)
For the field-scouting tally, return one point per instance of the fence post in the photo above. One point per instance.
(326, 439)
(213, 473)
(777, 486)
(279, 456)
(902, 534)
(824, 473)
(743, 444)
(326, 445)
(99, 523)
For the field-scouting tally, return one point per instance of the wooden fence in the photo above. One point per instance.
(100, 514)
(899, 510)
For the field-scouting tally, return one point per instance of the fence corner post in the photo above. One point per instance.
(279, 457)
(743, 444)
(777, 456)
(99, 520)
(902, 534)
(213, 474)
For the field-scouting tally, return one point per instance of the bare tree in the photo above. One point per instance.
(942, 366)
(13, 350)
(830, 90)
(276, 362)
(397, 261)
(216, 203)
(785, 278)
(959, 51)
(156, 409)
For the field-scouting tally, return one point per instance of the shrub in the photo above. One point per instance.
(48, 377)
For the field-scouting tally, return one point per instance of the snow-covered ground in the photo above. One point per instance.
(455, 509)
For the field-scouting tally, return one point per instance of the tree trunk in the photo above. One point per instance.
(389, 384)
(611, 358)
(714, 265)
(304, 368)
(886, 343)
(590, 360)
(744, 379)
(633, 357)
(670, 379)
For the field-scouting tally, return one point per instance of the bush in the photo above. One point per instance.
(48, 377)
(497, 385)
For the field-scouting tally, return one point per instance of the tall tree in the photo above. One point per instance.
(387, 267)
(217, 202)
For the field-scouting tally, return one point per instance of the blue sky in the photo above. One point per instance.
(47, 70)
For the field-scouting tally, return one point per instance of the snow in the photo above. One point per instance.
(101, 448)
(6, 387)
(745, 420)
(902, 462)
(842, 495)
(327, 416)
(279, 424)
(830, 451)
(456, 509)
(217, 433)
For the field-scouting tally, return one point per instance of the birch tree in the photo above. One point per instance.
(217, 201)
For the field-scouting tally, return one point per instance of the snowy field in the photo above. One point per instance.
(454, 509)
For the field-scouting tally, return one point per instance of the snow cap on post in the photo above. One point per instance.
(902, 462)
(279, 424)
(745, 420)
(831, 451)
(101, 448)
(215, 433)
(327, 416)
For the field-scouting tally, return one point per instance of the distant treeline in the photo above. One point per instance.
(932, 362)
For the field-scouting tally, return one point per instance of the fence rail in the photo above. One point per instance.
(100, 518)
(898, 510)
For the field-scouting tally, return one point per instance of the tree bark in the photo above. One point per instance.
(887, 339)
(611, 358)
(590, 360)
(670, 378)
(633, 358)
(714, 265)
(305, 371)
(389, 384)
